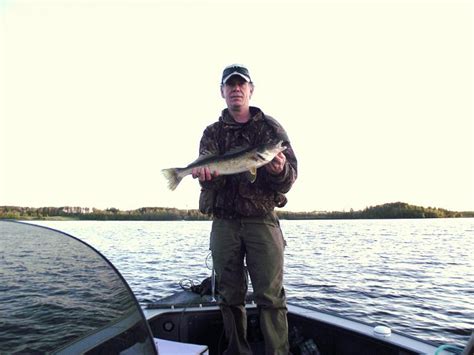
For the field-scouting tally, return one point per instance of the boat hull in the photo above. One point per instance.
(309, 330)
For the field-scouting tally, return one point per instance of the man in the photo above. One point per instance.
(245, 226)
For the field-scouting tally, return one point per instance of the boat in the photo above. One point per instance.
(61, 296)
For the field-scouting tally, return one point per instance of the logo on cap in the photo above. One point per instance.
(235, 69)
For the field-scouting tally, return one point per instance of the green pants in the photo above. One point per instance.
(260, 242)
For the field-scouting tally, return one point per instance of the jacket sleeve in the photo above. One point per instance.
(284, 181)
(209, 145)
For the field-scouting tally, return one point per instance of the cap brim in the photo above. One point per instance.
(235, 73)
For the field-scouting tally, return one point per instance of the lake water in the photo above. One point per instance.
(48, 279)
(416, 276)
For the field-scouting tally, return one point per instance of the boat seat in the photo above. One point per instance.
(169, 347)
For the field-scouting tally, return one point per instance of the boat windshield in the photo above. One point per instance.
(59, 295)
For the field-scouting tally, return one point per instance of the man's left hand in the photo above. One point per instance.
(277, 165)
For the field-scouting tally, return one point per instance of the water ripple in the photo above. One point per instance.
(415, 275)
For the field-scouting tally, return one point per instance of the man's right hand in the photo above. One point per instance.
(204, 174)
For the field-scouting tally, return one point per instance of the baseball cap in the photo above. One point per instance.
(235, 69)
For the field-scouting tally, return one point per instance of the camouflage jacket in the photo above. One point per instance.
(234, 196)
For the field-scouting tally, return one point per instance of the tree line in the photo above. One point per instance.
(78, 213)
(388, 210)
(385, 211)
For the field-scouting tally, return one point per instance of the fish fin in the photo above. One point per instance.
(173, 177)
(237, 150)
(252, 175)
(205, 155)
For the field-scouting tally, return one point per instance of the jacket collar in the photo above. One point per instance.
(255, 115)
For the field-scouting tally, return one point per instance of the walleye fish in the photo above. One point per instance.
(234, 162)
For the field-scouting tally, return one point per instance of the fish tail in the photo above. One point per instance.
(173, 177)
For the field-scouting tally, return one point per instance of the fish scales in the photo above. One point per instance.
(244, 160)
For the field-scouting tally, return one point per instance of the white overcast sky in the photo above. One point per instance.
(98, 96)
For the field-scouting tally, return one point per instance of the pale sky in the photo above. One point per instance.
(96, 97)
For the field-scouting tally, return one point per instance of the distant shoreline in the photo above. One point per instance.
(395, 210)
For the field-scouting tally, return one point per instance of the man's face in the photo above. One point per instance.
(237, 92)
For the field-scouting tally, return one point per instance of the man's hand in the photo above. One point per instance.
(204, 174)
(277, 165)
